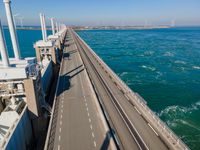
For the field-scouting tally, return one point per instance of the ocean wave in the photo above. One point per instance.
(196, 67)
(159, 74)
(148, 53)
(175, 115)
(180, 62)
(169, 54)
(148, 68)
(178, 111)
(123, 74)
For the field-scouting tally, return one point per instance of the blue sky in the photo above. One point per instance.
(108, 12)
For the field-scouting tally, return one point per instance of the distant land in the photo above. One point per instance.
(118, 27)
(95, 27)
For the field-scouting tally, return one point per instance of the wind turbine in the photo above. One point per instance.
(21, 21)
(14, 18)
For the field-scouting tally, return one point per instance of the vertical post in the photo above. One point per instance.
(3, 49)
(42, 27)
(57, 27)
(12, 29)
(52, 25)
(45, 30)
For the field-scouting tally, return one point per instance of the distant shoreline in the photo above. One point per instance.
(104, 27)
(120, 27)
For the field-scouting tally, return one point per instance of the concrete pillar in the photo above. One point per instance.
(53, 55)
(45, 30)
(57, 27)
(38, 55)
(12, 29)
(32, 99)
(52, 25)
(3, 48)
(42, 27)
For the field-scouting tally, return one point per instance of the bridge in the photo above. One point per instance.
(94, 109)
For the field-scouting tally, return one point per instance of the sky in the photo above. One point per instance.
(108, 12)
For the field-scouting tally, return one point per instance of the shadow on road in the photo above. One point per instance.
(106, 142)
(65, 83)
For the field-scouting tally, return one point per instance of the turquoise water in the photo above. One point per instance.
(162, 65)
(26, 40)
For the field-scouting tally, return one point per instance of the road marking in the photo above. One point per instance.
(61, 111)
(61, 116)
(89, 120)
(91, 127)
(153, 129)
(62, 106)
(126, 97)
(59, 138)
(60, 122)
(93, 134)
(95, 144)
(58, 147)
(60, 130)
(87, 108)
(86, 104)
(137, 110)
(88, 114)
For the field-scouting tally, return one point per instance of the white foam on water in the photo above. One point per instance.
(189, 124)
(168, 54)
(196, 67)
(123, 74)
(148, 68)
(177, 110)
(180, 62)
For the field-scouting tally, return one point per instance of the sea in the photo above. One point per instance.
(162, 65)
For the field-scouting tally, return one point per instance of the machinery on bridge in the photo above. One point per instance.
(23, 109)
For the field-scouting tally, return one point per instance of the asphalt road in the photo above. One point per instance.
(130, 128)
(78, 121)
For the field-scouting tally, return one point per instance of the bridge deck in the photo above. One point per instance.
(78, 122)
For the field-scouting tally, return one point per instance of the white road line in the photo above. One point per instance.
(93, 134)
(62, 106)
(137, 110)
(61, 116)
(61, 111)
(58, 147)
(60, 130)
(89, 120)
(88, 114)
(86, 104)
(126, 97)
(59, 137)
(95, 144)
(60, 122)
(87, 108)
(153, 129)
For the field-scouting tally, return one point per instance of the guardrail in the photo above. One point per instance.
(156, 123)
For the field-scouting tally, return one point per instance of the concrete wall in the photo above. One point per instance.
(22, 136)
(47, 76)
